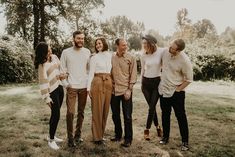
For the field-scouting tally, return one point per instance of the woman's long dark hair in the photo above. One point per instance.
(41, 54)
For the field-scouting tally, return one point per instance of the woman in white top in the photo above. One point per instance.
(100, 88)
(52, 92)
(150, 79)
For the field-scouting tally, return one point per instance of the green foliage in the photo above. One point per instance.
(214, 66)
(134, 43)
(121, 26)
(16, 63)
(211, 60)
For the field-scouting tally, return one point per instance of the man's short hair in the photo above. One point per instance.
(180, 44)
(117, 41)
(77, 33)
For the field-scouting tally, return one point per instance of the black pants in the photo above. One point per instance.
(127, 106)
(57, 97)
(150, 91)
(177, 101)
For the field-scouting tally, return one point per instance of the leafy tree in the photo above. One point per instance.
(203, 28)
(182, 19)
(183, 25)
(33, 20)
(121, 26)
(135, 42)
(38, 20)
(77, 12)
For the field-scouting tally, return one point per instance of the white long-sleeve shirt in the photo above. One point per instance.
(99, 63)
(75, 63)
(151, 64)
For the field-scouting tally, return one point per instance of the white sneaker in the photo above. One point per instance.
(53, 145)
(56, 139)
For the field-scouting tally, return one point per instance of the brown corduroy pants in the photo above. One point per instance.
(101, 91)
(81, 96)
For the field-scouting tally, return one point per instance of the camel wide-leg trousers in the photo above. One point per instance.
(101, 91)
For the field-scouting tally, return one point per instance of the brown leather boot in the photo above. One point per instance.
(146, 134)
(159, 131)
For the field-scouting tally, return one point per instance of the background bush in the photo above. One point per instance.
(16, 64)
(211, 61)
(214, 66)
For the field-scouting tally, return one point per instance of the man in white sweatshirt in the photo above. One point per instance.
(74, 61)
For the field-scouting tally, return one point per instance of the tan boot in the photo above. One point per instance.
(146, 135)
(159, 131)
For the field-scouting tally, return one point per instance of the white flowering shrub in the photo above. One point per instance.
(16, 64)
(211, 61)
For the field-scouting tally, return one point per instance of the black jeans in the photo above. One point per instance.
(177, 101)
(150, 90)
(57, 97)
(127, 106)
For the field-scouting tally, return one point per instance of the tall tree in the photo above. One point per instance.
(42, 23)
(78, 11)
(204, 27)
(36, 23)
(183, 25)
(18, 17)
(121, 26)
(182, 19)
(135, 42)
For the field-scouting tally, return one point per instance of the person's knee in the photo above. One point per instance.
(70, 113)
(180, 115)
(151, 110)
(116, 116)
(127, 119)
(166, 114)
(80, 112)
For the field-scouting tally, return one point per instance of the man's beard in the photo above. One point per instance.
(78, 46)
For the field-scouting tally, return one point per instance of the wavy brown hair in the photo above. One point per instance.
(151, 47)
(105, 45)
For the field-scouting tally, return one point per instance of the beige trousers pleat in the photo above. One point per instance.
(101, 90)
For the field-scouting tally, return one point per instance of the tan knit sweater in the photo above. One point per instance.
(48, 77)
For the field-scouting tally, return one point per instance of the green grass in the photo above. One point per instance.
(24, 126)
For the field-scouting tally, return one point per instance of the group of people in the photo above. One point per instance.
(108, 79)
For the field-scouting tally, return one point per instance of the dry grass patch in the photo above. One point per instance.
(24, 126)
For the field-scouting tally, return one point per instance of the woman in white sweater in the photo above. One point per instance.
(100, 88)
(50, 86)
(150, 79)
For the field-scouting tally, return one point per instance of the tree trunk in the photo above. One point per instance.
(36, 23)
(77, 19)
(42, 24)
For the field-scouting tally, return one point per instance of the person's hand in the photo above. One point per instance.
(63, 76)
(127, 94)
(68, 86)
(49, 104)
(89, 93)
(178, 89)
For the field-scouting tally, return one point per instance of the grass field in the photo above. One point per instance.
(210, 108)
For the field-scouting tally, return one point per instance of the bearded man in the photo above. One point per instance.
(74, 61)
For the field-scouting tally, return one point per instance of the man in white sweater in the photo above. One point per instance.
(74, 61)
